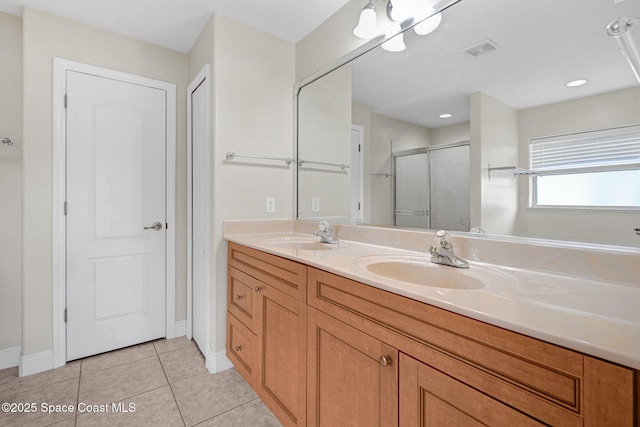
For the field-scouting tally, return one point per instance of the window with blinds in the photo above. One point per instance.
(599, 169)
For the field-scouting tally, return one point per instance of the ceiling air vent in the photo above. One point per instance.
(482, 48)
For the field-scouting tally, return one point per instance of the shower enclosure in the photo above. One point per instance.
(432, 188)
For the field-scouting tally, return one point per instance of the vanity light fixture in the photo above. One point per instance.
(445, 116)
(398, 11)
(619, 30)
(395, 43)
(367, 27)
(576, 83)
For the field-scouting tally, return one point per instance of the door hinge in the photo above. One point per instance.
(166, 225)
(65, 315)
(359, 148)
(65, 208)
(65, 100)
(358, 205)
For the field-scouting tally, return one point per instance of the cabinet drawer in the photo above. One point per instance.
(285, 275)
(241, 349)
(536, 377)
(241, 289)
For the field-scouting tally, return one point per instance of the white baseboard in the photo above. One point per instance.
(10, 357)
(35, 363)
(217, 362)
(181, 328)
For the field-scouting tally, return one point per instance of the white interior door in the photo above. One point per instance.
(116, 190)
(357, 182)
(200, 212)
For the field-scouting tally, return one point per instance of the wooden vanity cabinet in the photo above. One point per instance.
(453, 368)
(324, 350)
(266, 329)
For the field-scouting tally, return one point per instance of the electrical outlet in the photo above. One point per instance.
(271, 204)
(315, 204)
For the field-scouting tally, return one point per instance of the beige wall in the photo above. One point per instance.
(609, 110)
(324, 135)
(10, 183)
(494, 136)
(252, 113)
(332, 40)
(388, 136)
(44, 37)
(452, 134)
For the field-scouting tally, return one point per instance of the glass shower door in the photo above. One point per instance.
(412, 191)
(432, 189)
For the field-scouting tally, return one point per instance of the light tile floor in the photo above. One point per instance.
(160, 383)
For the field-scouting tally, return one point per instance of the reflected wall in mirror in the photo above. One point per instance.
(493, 74)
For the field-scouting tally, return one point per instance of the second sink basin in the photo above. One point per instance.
(419, 270)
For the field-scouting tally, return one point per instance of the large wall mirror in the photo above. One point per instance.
(441, 134)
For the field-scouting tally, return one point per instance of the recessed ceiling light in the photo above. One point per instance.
(445, 116)
(576, 83)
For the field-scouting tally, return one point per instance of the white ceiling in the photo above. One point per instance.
(542, 45)
(176, 24)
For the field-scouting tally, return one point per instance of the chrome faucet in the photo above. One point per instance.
(325, 232)
(442, 252)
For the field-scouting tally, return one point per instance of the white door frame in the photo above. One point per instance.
(60, 68)
(201, 79)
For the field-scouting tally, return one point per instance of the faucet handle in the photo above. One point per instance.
(324, 227)
(443, 238)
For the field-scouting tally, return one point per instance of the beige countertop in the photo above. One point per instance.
(597, 317)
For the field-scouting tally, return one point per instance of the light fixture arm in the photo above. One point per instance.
(620, 30)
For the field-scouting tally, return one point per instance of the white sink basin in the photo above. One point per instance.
(419, 270)
(300, 243)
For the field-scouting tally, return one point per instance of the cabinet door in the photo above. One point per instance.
(352, 377)
(280, 330)
(430, 398)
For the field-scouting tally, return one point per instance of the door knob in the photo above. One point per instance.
(156, 227)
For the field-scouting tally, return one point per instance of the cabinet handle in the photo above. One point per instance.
(238, 297)
(238, 347)
(258, 288)
(385, 360)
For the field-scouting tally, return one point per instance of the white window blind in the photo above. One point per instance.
(603, 148)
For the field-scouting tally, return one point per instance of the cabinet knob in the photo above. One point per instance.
(258, 288)
(385, 360)
(238, 348)
(238, 297)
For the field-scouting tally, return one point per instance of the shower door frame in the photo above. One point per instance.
(421, 150)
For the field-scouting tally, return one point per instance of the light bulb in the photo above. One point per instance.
(367, 27)
(395, 43)
(428, 25)
(401, 10)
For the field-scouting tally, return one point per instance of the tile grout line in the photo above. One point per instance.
(37, 387)
(228, 410)
(75, 418)
(170, 388)
(123, 363)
